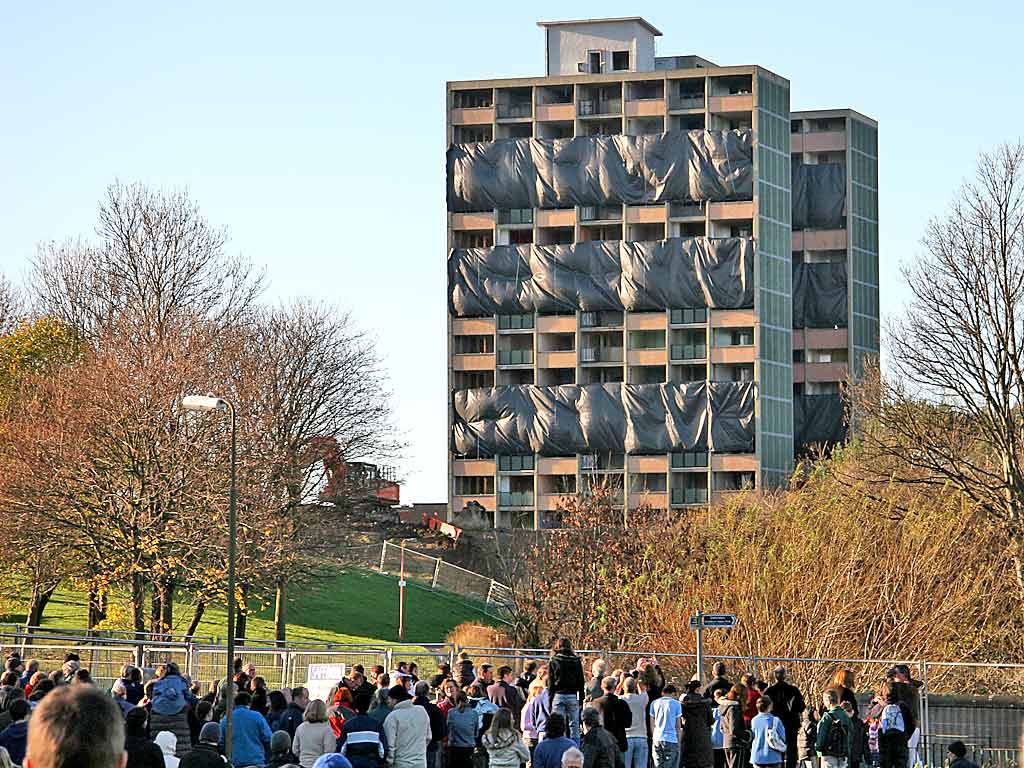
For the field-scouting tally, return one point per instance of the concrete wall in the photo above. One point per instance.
(568, 46)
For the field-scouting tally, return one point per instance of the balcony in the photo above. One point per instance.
(516, 499)
(601, 319)
(599, 107)
(600, 213)
(645, 108)
(473, 362)
(689, 352)
(733, 103)
(820, 372)
(601, 354)
(515, 110)
(819, 141)
(473, 467)
(556, 359)
(515, 357)
(819, 240)
(684, 497)
(687, 101)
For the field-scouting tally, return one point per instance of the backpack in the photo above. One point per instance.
(837, 741)
(892, 719)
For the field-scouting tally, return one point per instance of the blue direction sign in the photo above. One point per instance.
(713, 621)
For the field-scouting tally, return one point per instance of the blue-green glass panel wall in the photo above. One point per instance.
(774, 284)
(863, 237)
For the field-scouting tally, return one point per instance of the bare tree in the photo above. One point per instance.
(11, 308)
(309, 385)
(158, 264)
(950, 413)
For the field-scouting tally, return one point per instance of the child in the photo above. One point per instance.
(859, 749)
(807, 738)
(896, 725)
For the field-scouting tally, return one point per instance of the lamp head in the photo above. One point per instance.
(203, 403)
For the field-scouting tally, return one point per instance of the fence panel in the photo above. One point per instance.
(299, 661)
(209, 664)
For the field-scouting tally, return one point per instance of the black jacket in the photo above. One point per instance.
(600, 750)
(202, 756)
(143, 753)
(616, 716)
(787, 703)
(716, 685)
(565, 674)
(807, 738)
(291, 719)
(438, 723)
(697, 750)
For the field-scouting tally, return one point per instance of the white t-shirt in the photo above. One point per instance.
(666, 711)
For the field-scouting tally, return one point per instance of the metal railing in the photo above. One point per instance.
(506, 109)
(689, 351)
(515, 499)
(515, 356)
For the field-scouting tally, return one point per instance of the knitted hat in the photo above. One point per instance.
(280, 741)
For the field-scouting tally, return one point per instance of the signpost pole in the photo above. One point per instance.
(700, 647)
(401, 594)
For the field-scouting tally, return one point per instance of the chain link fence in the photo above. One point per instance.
(979, 704)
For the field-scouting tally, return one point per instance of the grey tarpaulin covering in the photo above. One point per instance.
(819, 195)
(600, 170)
(818, 420)
(819, 295)
(604, 418)
(602, 275)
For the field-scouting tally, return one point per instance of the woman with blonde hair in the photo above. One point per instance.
(843, 682)
(314, 736)
(535, 714)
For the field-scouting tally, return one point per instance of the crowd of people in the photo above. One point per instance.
(549, 715)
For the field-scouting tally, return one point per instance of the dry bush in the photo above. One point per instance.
(831, 569)
(471, 635)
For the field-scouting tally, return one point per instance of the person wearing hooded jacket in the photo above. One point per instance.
(505, 749)
(565, 684)
(142, 753)
(735, 735)
(406, 731)
(695, 740)
(167, 742)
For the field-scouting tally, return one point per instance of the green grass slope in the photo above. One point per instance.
(349, 607)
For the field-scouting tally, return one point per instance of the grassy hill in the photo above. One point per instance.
(350, 607)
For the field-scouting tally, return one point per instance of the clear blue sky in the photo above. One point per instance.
(316, 133)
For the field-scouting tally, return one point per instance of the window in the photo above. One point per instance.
(514, 216)
(474, 486)
(689, 316)
(515, 322)
(594, 62)
(741, 337)
(472, 99)
(620, 60)
(473, 345)
(688, 459)
(473, 238)
(468, 134)
(515, 463)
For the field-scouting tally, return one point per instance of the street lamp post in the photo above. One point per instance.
(208, 404)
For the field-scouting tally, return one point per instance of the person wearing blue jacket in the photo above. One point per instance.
(362, 737)
(767, 734)
(250, 738)
(14, 737)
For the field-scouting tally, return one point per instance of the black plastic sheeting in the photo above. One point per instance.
(602, 275)
(819, 195)
(600, 170)
(604, 418)
(818, 420)
(820, 295)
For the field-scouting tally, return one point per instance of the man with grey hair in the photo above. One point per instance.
(76, 727)
(572, 758)
(597, 670)
(787, 705)
(438, 723)
(599, 747)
